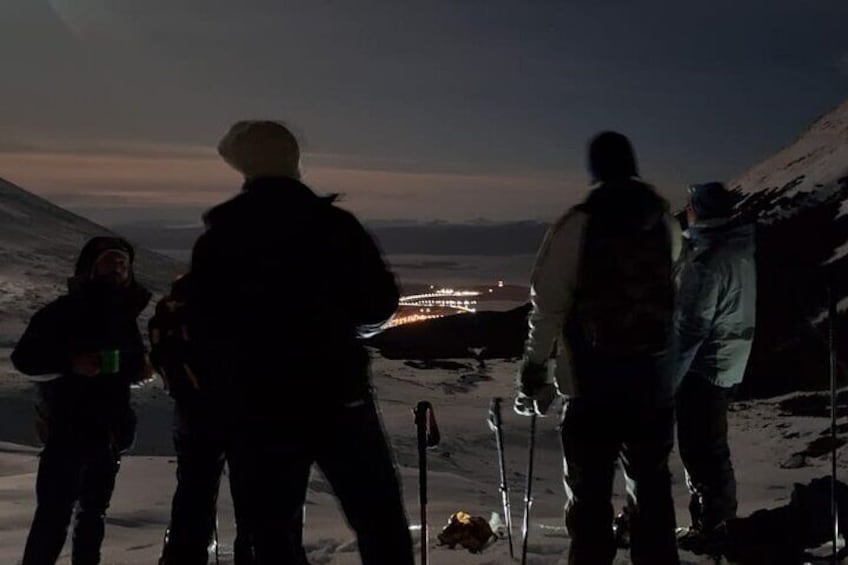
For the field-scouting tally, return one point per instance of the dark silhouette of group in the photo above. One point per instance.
(629, 322)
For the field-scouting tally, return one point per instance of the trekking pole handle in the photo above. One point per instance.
(494, 420)
(428, 436)
(425, 418)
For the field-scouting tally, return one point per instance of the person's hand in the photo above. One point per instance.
(535, 393)
(86, 364)
(537, 404)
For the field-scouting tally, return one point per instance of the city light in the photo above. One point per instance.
(438, 302)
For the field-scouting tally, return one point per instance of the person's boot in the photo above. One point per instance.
(700, 541)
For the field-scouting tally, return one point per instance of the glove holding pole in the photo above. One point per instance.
(528, 491)
(536, 392)
(428, 436)
(535, 395)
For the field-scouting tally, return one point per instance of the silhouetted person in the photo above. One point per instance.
(714, 327)
(85, 350)
(283, 282)
(602, 297)
(199, 442)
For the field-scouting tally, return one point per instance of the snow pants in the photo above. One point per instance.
(270, 466)
(73, 480)
(201, 455)
(596, 435)
(702, 438)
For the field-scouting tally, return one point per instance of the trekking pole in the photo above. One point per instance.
(217, 555)
(831, 339)
(528, 491)
(428, 436)
(496, 425)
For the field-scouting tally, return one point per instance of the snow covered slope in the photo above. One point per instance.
(816, 164)
(39, 242)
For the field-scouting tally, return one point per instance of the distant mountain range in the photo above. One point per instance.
(434, 238)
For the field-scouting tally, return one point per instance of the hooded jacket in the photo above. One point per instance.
(88, 319)
(715, 312)
(556, 275)
(282, 284)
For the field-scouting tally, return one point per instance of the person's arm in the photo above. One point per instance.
(552, 286)
(373, 290)
(42, 351)
(697, 299)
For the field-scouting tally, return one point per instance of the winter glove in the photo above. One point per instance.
(535, 393)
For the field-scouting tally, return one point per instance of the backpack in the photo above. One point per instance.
(170, 343)
(624, 300)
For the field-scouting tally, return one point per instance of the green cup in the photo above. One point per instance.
(110, 361)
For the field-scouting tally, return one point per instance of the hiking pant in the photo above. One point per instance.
(200, 462)
(702, 438)
(596, 434)
(71, 477)
(270, 467)
(201, 455)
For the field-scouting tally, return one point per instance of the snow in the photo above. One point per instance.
(40, 242)
(810, 171)
(812, 164)
(464, 473)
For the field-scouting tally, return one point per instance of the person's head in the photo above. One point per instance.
(261, 149)
(709, 200)
(611, 158)
(105, 260)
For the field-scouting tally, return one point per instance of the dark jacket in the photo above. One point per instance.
(88, 319)
(282, 285)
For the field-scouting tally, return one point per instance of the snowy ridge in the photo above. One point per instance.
(39, 242)
(813, 164)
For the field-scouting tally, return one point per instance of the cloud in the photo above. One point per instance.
(149, 176)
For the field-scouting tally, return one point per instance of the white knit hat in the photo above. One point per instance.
(261, 148)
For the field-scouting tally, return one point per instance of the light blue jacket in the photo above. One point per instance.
(715, 310)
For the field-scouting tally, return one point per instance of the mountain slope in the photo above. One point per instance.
(39, 243)
(813, 165)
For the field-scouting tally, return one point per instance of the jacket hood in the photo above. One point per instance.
(94, 247)
(135, 296)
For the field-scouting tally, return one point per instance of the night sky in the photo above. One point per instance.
(415, 110)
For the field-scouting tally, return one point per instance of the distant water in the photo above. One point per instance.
(445, 270)
(461, 270)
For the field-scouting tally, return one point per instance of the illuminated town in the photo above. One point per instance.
(428, 303)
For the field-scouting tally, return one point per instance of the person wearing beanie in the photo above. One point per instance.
(257, 149)
(602, 297)
(715, 318)
(283, 284)
(84, 350)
